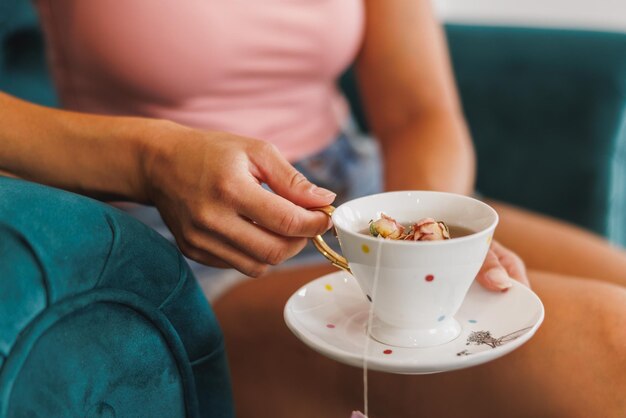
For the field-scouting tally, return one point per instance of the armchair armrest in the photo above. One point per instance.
(99, 315)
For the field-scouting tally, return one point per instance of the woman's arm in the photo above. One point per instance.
(411, 101)
(205, 184)
(88, 154)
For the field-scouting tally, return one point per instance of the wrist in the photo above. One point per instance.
(116, 170)
(154, 147)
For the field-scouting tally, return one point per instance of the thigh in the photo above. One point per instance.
(547, 244)
(580, 349)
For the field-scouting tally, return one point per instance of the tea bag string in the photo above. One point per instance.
(368, 329)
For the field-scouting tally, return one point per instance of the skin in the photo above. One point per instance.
(549, 245)
(573, 367)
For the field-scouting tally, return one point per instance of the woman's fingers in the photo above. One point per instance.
(207, 250)
(281, 216)
(492, 274)
(252, 254)
(224, 257)
(511, 262)
(500, 267)
(236, 188)
(269, 166)
(252, 240)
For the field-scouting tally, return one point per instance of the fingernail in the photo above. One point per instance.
(499, 279)
(320, 191)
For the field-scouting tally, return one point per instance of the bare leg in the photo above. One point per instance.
(547, 244)
(574, 367)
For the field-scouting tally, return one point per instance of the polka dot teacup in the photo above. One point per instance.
(420, 284)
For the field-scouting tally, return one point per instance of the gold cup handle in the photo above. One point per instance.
(337, 260)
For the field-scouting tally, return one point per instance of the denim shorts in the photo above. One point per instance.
(350, 167)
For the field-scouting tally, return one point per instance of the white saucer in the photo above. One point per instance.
(330, 314)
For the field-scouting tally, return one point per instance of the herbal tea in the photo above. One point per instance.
(426, 229)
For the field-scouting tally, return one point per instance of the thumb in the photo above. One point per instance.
(286, 181)
(492, 274)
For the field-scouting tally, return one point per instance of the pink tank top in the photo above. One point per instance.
(260, 68)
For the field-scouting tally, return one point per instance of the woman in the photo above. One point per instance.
(268, 72)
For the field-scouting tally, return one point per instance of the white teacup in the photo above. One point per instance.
(421, 284)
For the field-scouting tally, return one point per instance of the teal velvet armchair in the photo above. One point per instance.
(100, 316)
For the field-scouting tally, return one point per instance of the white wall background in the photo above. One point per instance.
(586, 14)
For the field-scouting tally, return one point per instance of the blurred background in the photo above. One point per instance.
(594, 65)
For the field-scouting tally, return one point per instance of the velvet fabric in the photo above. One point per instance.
(23, 70)
(99, 315)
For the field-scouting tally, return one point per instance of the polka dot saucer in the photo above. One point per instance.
(330, 315)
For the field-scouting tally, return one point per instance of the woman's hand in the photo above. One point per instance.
(500, 267)
(207, 186)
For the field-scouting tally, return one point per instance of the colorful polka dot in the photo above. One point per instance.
(472, 321)
(387, 351)
(429, 278)
(328, 287)
(365, 249)
(330, 325)
(441, 318)
(369, 297)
